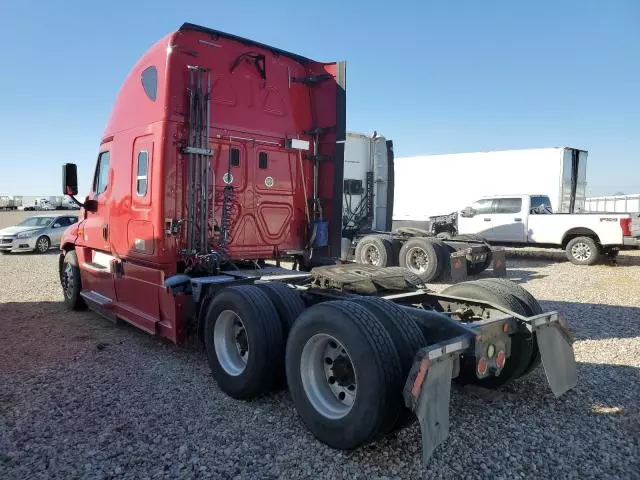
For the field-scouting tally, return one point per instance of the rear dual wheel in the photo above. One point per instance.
(524, 353)
(377, 250)
(424, 257)
(345, 373)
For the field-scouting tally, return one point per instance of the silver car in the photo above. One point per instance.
(37, 233)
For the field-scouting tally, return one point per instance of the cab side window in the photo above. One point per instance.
(483, 207)
(101, 178)
(509, 205)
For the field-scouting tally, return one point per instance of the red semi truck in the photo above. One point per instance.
(224, 156)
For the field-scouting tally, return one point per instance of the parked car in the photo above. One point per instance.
(37, 233)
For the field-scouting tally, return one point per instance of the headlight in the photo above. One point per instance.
(27, 234)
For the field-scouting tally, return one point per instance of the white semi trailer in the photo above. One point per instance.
(429, 186)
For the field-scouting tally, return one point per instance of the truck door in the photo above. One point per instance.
(508, 222)
(94, 252)
(480, 222)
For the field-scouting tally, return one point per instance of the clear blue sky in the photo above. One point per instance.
(435, 76)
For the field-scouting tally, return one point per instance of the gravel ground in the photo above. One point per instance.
(81, 397)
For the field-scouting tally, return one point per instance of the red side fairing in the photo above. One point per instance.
(253, 115)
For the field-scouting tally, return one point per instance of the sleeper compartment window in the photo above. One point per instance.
(149, 80)
(141, 173)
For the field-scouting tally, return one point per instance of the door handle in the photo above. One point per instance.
(105, 231)
(487, 219)
(517, 219)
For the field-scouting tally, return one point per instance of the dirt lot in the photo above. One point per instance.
(83, 398)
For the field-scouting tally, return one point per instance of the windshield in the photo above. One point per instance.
(36, 222)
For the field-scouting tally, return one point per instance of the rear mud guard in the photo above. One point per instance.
(499, 262)
(427, 391)
(556, 352)
(458, 267)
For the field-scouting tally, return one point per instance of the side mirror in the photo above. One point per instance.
(69, 179)
(56, 225)
(90, 205)
(468, 212)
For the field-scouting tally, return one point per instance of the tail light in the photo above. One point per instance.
(625, 224)
(500, 359)
(483, 365)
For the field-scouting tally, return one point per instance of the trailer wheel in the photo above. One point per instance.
(244, 341)
(374, 250)
(583, 251)
(422, 257)
(531, 306)
(71, 282)
(407, 338)
(287, 301)
(344, 374)
(521, 342)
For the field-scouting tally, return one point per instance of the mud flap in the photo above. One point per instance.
(499, 262)
(427, 391)
(557, 356)
(458, 267)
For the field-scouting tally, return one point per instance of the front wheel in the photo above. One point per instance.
(583, 251)
(71, 282)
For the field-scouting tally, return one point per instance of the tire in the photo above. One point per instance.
(43, 244)
(71, 282)
(260, 326)
(287, 301)
(532, 307)
(407, 338)
(583, 251)
(416, 252)
(374, 250)
(521, 342)
(371, 358)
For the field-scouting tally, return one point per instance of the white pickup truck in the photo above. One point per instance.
(528, 220)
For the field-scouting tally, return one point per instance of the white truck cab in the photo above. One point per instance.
(527, 220)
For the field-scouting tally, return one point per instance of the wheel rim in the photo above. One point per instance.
(231, 342)
(417, 260)
(370, 255)
(43, 244)
(68, 281)
(581, 251)
(328, 376)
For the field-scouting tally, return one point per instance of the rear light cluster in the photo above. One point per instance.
(493, 357)
(625, 224)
